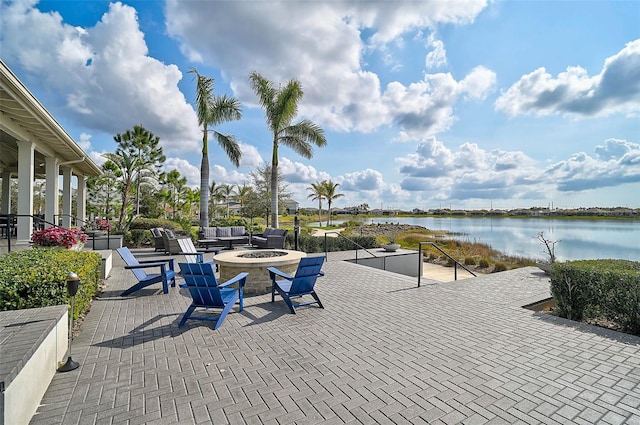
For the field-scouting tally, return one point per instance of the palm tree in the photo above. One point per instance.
(213, 110)
(330, 194)
(317, 194)
(215, 195)
(226, 190)
(281, 107)
(241, 195)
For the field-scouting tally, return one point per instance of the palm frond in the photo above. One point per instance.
(302, 136)
(265, 91)
(230, 146)
(224, 109)
(286, 103)
(204, 99)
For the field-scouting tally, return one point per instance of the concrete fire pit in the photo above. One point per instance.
(255, 262)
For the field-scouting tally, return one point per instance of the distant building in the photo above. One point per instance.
(291, 206)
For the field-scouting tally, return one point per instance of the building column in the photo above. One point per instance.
(25, 190)
(5, 205)
(51, 205)
(66, 197)
(81, 199)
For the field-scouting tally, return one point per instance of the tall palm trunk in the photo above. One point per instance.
(274, 186)
(204, 189)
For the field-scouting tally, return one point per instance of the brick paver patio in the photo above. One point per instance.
(382, 351)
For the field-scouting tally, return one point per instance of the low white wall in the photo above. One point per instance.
(402, 263)
(23, 395)
(107, 263)
(115, 242)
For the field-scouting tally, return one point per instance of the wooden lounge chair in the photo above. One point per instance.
(165, 266)
(200, 280)
(191, 253)
(301, 284)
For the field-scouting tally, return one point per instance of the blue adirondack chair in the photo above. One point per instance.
(299, 285)
(200, 280)
(167, 273)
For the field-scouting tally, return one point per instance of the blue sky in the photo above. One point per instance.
(462, 104)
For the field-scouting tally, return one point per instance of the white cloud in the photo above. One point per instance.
(575, 93)
(438, 56)
(85, 141)
(250, 156)
(297, 172)
(103, 75)
(365, 180)
(97, 157)
(185, 169)
(221, 175)
(435, 172)
(478, 83)
(324, 49)
(615, 163)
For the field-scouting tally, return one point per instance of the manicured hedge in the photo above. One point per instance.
(37, 277)
(598, 289)
(150, 223)
(309, 244)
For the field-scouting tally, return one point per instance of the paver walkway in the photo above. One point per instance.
(382, 351)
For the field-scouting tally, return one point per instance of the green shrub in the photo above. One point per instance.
(226, 222)
(469, 261)
(607, 289)
(483, 263)
(499, 266)
(312, 244)
(138, 237)
(150, 223)
(570, 287)
(37, 277)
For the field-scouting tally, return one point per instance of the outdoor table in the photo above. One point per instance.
(207, 243)
(230, 240)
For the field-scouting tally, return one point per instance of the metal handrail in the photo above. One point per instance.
(456, 263)
(75, 220)
(350, 240)
(42, 221)
(35, 217)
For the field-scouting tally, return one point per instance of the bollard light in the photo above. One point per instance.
(73, 282)
(296, 231)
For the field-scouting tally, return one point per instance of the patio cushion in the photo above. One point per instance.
(223, 232)
(209, 232)
(237, 231)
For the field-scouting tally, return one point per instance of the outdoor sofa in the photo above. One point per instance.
(222, 234)
(270, 238)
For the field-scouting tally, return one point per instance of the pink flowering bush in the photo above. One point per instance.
(58, 236)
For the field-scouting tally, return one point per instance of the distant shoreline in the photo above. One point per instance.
(544, 217)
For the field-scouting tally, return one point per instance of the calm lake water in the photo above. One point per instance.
(579, 239)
